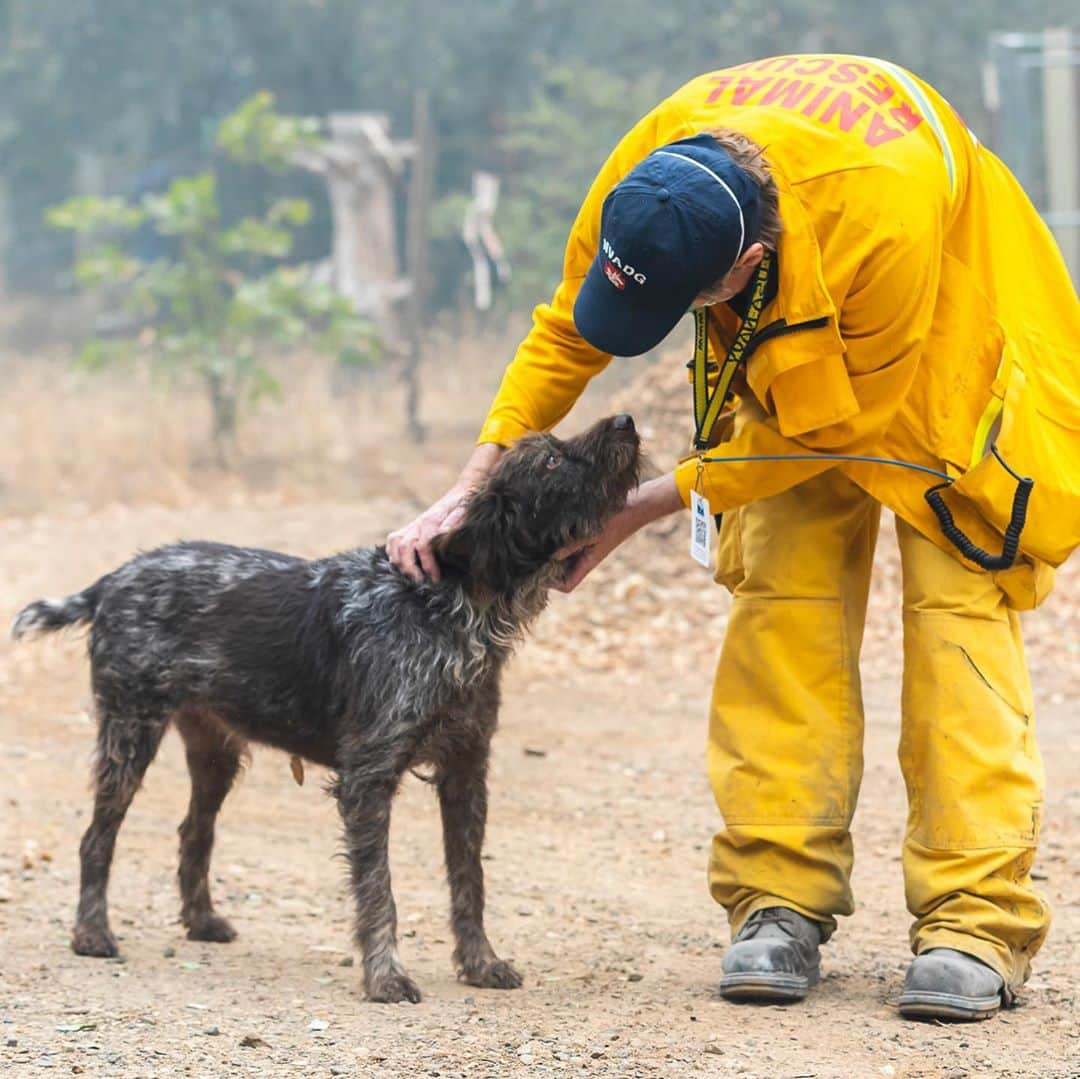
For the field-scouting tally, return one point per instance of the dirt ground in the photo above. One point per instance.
(599, 828)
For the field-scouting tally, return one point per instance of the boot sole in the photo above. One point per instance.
(926, 1005)
(767, 988)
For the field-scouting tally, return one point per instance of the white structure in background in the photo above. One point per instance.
(1061, 124)
(478, 232)
(1031, 89)
(363, 166)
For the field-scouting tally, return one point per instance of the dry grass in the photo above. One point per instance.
(88, 440)
(123, 436)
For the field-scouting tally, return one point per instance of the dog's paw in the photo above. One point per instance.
(393, 988)
(498, 974)
(94, 940)
(211, 928)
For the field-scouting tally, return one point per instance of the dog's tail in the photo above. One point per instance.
(48, 615)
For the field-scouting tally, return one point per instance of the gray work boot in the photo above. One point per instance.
(773, 958)
(946, 984)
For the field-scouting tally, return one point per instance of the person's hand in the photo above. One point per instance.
(650, 501)
(410, 548)
(582, 558)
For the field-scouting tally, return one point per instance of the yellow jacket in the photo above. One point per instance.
(941, 313)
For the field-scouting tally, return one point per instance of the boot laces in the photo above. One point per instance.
(779, 916)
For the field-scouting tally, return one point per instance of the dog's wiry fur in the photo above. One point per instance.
(343, 661)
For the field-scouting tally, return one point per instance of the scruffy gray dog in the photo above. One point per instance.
(342, 661)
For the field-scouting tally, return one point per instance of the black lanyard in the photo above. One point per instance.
(707, 406)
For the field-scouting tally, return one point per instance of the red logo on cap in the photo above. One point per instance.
(614, 276)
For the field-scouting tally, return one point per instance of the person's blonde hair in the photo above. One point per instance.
(751, 159)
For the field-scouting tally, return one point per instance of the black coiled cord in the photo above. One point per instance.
(972, 552)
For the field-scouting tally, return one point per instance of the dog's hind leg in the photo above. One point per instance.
(462, 787)
(127, 743)
(364, 794)
(213, 759)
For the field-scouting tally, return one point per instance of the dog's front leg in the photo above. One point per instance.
(364, 794)
(462, 789)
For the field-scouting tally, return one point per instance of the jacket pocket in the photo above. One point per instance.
(1036, 428)
(730, 570)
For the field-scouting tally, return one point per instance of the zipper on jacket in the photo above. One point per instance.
(779, 328)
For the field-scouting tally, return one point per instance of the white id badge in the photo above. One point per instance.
(700, 529)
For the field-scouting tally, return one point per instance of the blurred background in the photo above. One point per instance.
(220, 216)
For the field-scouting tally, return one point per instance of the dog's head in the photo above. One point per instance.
(543, 495)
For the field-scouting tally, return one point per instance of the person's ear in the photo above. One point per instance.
(749, 259)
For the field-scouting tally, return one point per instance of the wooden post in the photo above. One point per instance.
(362, 166)
(418, 255)
(478, 232)
(1061, 119)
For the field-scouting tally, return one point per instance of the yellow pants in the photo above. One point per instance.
(785, 738)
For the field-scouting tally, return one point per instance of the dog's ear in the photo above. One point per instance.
(492, 548)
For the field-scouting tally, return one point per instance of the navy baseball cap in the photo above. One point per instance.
(675, 225)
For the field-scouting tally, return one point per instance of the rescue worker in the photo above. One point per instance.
(897, 298)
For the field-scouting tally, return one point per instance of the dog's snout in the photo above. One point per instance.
(623, 422)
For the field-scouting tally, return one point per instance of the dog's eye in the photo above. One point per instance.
(553, 460)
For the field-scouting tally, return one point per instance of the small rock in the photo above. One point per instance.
(469, 1000)
(531, 752)
(347, 961)
(253, 1041)
(318, 1024)
(713, 1048)
(12, 1042)
(169, 953)
(212, 1032)
(634, 977)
